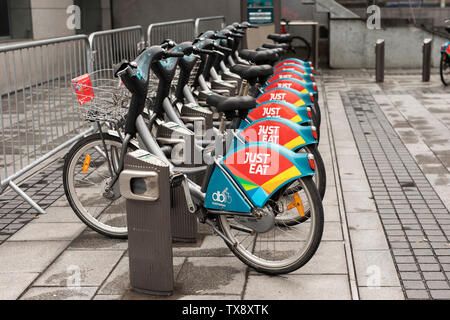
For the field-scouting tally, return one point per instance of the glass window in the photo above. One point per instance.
(4, 19)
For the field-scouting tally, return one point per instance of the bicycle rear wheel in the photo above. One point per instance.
(284, 248)
(445, 69)
(301, 48)
(87, 170)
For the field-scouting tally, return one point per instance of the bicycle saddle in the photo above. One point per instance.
(277, 50)
(227, 104)
(252, 72)
(275, 46)
(259, 57)
(280, 38)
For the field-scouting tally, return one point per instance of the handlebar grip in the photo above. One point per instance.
(221, 37)
(223, 49)
(203, 51)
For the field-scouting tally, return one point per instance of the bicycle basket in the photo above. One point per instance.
(101, 97)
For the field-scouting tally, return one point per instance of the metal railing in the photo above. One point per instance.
(209, 23)
(111, 46)
(178, 31)
(38, 114)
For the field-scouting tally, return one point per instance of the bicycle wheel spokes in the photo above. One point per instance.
(282, 246)
(90, 174)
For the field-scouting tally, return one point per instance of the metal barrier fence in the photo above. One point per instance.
(209, 23)
(38, 111)
(178, 31)
(111, 46)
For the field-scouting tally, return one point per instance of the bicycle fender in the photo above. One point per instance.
(294, 84)
(280, 131)
(295, 67)
(288, 95)
(261, 169)
(291, 75)
(225, 195)
(293, 61)
(278, 109)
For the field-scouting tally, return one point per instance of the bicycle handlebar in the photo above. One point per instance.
(222, 49)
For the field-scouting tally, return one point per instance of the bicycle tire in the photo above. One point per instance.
(69, 189)
(314, 241)
(442, 65)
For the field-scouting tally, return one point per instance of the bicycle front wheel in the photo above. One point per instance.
(88, 168)
(284, 248)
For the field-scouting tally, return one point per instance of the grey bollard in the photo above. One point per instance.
(426, 64)
(379, 60)
(144, 183)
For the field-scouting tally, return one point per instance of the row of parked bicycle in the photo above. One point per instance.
(262, 194)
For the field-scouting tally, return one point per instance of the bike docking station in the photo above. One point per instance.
(145, 184)
(184, 223)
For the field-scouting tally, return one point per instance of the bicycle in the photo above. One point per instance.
(296, 45)
(444, 66)
(246, 222)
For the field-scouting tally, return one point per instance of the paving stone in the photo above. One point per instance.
(59, 293)
(295, 287)
(13, 284)
(409, 284)
(438, 285)
(93, 267)
(29, 257)
(381, 293)
(440, 294)
(206, 275)
(434, 275)
(368, 240)
(58, 215)
(370, 264)
(49, 232)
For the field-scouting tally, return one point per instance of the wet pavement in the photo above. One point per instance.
(387, 223)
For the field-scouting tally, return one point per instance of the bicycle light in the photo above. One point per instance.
(314, 132)
(312, 162)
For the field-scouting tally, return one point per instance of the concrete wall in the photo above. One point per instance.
(436, 15)
(49, 18)
(352, 45)
(144, 12)
(303, 10)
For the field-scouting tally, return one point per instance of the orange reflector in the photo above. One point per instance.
(297, 203)
(86, 163)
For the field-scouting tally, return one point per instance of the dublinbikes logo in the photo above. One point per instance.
(222, 198)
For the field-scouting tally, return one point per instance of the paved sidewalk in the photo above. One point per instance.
(358, 257)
